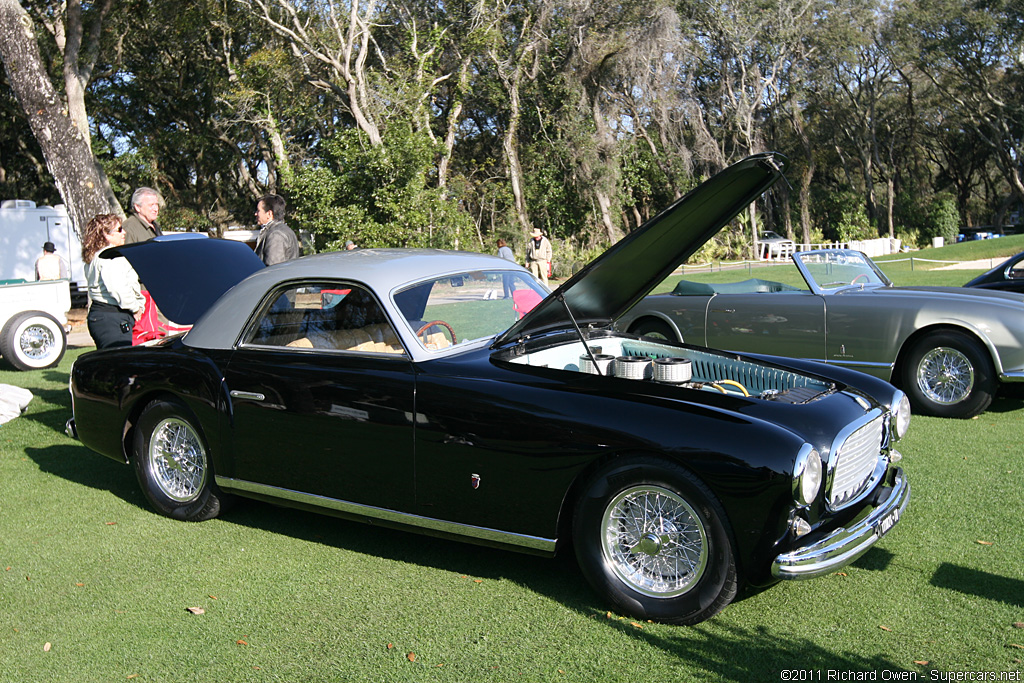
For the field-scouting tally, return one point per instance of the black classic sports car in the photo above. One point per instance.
(451, 394)
(1008, 276)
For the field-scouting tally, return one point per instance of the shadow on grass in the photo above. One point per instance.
(78, 464)
(736, 653)
(1009, 398)
(978, 583)
(56, 398)
(733, 652)
(876, 560)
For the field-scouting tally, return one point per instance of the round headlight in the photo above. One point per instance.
(901, 416)
(807, 475)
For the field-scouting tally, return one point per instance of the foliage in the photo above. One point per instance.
(23, 173)
(844, 217)
(188, 220)
(944, 221)
(376, 195)
(923, 218)
(620, 107)
(731, 243)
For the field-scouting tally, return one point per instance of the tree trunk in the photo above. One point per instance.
(805, 202)
(67, 152)
(451, 128)
(890, 208)
(515, 169)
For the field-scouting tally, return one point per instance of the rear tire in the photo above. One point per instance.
(173, 466)
(32, 341)
(652, 539)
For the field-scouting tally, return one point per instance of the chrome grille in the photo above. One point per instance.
(855, 462)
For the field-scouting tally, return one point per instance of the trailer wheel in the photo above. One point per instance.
(33, 340)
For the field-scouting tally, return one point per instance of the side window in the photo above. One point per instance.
(334, 317)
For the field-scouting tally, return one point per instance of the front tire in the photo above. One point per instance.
(652, 539)
(172, 464)
(949, 374)
(655, 329)
(32, 341)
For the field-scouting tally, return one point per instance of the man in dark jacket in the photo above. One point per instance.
(141, 225)
(276, 242)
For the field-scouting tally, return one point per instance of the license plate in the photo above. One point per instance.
(887, 522)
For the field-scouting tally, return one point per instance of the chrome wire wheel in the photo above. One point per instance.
(177, 459)
(945, 375)
(654, 541)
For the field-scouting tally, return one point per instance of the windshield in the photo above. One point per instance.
(829, 269)
(466, 307)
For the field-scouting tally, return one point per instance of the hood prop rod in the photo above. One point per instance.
(579, 332)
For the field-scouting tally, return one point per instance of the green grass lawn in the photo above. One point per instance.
(94, 586)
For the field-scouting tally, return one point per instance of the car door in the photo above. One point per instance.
(318, 408)
(787, 323)
(866, 329)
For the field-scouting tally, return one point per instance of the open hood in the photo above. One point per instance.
(186, 272)
(615, 281)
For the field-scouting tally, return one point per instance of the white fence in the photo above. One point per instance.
(882, 246)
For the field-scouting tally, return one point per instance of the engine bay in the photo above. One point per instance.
(684, 366)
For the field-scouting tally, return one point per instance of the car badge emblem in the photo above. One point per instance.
(474, 480)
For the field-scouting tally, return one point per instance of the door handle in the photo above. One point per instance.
(723, 310)
(249, 395)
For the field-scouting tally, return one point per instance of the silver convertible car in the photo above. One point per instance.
(948, 348)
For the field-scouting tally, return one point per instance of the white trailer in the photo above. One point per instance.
(24, 227)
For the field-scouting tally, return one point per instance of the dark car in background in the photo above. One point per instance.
(1008, 276)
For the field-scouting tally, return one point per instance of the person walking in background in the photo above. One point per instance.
(276, 242)
(115, 295)
(538, 255)
(51, 266)
(142, 225)
(505, 252)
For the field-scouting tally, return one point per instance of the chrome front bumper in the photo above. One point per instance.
(843, 546)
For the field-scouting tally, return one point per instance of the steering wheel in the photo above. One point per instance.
(862, 275)
(426, 326)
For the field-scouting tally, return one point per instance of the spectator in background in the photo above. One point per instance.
(51, 266)
(350, 245)
(276, 242)
(505, 252)
(115, 296)
(142, 225)
(538, 255)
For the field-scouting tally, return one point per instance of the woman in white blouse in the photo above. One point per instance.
(115, 296)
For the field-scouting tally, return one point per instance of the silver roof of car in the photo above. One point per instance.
(383, 271)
